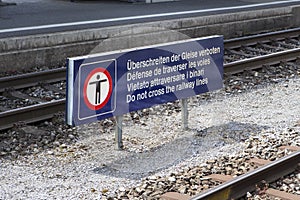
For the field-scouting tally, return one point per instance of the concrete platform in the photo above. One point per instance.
(45, 16)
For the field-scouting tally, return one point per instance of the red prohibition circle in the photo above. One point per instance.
(86, 100)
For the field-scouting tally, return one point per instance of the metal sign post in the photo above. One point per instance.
(184, 114)
(119, 142)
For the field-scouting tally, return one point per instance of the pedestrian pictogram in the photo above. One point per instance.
(97, 88)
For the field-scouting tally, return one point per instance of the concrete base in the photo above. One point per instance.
(296, 16)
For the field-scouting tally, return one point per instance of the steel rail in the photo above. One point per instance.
(251, 40)
(257, 62)
(46, 110)
(240, 185)
(32, 79)
(30, 114)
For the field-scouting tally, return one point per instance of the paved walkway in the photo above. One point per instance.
(32, 13)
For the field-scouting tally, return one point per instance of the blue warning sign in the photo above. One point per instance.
(114, 83)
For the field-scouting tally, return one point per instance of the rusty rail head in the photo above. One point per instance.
(257, 62)
(239, 186)
(31, 114)
(32, 79)
(238, 42)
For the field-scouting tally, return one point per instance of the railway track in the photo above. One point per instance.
(241, 54)
(256, 180)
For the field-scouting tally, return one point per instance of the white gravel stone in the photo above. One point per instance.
(93, 169)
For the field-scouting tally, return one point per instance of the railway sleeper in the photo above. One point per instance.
(14, 94)
(287, 45)
(51, 87)
(267, 47)
(234, 52)
(281, 194)
(294, 41)
(257, 50)
(273, 46)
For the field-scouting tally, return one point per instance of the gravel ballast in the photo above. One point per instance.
(155, 145)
